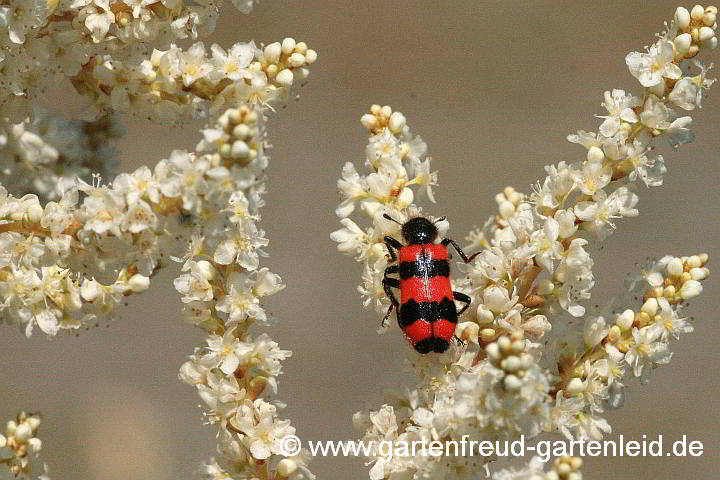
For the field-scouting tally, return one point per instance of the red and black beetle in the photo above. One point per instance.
(426, 311)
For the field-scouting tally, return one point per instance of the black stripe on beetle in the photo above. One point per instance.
(411, 311)
(429, 269)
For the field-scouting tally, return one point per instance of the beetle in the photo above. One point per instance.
(426, 311)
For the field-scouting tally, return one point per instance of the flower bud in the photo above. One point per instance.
(650, 306)
(487, 334)
(690, 289)
(626, 319)
(594, 154)
(512, 383)
(297, 60)
(33, 421)
(614, 334)
(241, 131)
(506, 209)
(369, 121)
(139, 283)
(284, 77)
(694, 261)
(699, 273)
(35, 445)
(310, 56)
(485, 316)
(240, 149)
(35, 213)
(682, 17)
(706, 33)
(683, 42)
(397, 122)
(22, 433)
(511, 364)
(288, 45)
(675, 267)
(493, 351)
(697, 12)
(272, 52)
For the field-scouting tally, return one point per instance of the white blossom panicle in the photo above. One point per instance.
(44, 40)
(20, 449)
(74, 247)
(533, 270)
(222, 284)
(176, 84)
(58, 259)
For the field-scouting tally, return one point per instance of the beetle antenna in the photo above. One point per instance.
(391, 219)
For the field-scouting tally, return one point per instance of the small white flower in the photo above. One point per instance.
(242, 246)
(224, 351)
(194, 64)
(592, 177)
(240, 302)
(351, 239)
(650, 68)
(672, 325)
(599, 212)
(546, 245)
(351, 188)
(620, 107)
(195, 285)
(498, 299)
(646, 349)
(233, 63)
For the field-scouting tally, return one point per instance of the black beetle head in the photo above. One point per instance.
(419, 230)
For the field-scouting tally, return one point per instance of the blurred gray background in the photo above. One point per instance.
(493, 88)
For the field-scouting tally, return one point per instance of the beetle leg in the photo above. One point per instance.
(462, 254)
(461, 297)
(388, 284)
(392, 245)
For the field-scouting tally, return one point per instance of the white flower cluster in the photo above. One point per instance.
(221, 286)
(591, 366)
(176, 84)
(20, 447)
(43, 41)
(57, 259)
(534, 270)
(68, 262)
(120, 55)
(495, 394)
